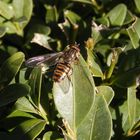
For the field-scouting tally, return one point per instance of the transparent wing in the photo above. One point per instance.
(48, 60)
(65, 84)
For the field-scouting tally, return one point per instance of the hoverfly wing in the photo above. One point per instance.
(48, 60)
(65, 84)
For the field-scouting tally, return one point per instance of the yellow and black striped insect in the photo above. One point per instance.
(62, 60)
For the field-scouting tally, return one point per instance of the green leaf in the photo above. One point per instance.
(14, 119)
(107, 93)
(2, 31)
(137, 3)
(23, 8)
(93, 65)
(98, 123)
(129, 18)
(134, 33)
(51, 136)
(23, 104)
(10, 67)
(29, 129)
(12, 93)
(76, 103)
(35, 82)
(19, 114)
(131, 102)
(6, 10)
(72, 17)
(51, 14)
(129, 113)
(117, 15)
(12, 27)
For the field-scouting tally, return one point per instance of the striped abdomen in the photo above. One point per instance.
(61, 71)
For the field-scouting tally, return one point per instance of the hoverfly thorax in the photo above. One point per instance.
(71, 54)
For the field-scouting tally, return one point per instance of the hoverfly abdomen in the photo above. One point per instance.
(61, 71)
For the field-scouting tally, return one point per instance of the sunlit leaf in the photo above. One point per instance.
(134, 33)
(92, 126)
(75, 105)
(107, 93)
(51, 14)
(6, 10)
(23, 8)
(2, 31)
(93, 65)
(131, 101)
(137, 3)
(117, 15)
(23, 104)
(12, 28)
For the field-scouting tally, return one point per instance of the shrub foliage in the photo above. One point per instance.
(102, 101)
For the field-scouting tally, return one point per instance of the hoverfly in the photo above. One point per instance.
(62, 60)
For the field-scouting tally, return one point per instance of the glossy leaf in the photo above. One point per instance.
(74, 105)
(134, 33)
(137, 3)
(131, 102)
(93, 65)
(19, 114)
(12, 92)
(117, 15)
(15, 118)
(2, 31)
(72, 17)
(51, 14)
(6, 10)
(29, 129)
(23, 8)
(129, 113)
(35, 83)
(10, 67)
(92, 126)
(51, 136)
(12, 28)
(24, 105)
(107, 93)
